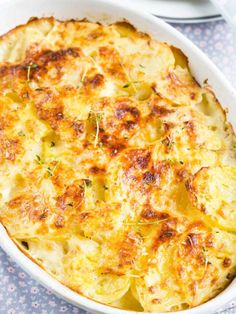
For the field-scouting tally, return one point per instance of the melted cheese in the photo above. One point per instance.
(118, 170)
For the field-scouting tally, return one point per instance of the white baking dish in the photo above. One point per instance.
(14, 12)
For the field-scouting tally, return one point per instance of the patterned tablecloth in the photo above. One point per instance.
(19, 294)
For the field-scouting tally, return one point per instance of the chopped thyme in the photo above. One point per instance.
(70, 204)
(29, 67)
(126, 85)
(181, 162)
(21, 133)
(150, 222)
(50, 171)
(98, 121)
(52, 144)
(130, 83)
(140, 222)
(105, 187)
(38, 160)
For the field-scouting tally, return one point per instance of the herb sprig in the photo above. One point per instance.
(29, 67)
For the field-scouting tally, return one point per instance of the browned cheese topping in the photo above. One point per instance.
(118, 170)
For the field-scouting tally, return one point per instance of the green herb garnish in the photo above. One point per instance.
(50, 171)
(21, 133)
(38, 160)
(126, 85)
(98, 121)
(29, 67)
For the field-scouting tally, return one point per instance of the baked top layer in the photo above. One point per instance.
(118, 171)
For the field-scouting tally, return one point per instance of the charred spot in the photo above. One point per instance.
(209, 241)
(115, 149)
(26, 95)
(112, 271)
(52, 114)
(129, 125)
(140, 158)
(4, 70)
(59, 222)
(166, 235)
(167, 126)
(59, 115)
(161, 111)
(128, 250)
(201, 259)
(47, 56)
(227, 262)
(202, 208)
(192, 95)
(192, 240)
(87, 182)
(230, 276)
(174, 78)
(161, 168)
(152, 289)
(25, 244)
(104, 51)
(95, 81)
(84, 216)
(149, 177)
(72, 195)
(36, 213)
(96, 170)
(168, 142)
(188, 185)
(190, 128)
(10, 148)
(111, 62)
(44, 215)
(149, 213)
(98, 33)
(154, 88)
(13, 70)
(124, 109)
(78, 127)
(182, 174)
(113, 145)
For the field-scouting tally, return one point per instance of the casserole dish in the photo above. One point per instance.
(104, 12)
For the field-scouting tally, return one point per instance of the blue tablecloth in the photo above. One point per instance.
(19, 294)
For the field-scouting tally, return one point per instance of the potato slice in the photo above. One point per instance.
(213, 192)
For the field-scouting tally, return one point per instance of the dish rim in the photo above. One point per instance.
(131, 14)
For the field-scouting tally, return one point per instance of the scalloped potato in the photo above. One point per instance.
(118, 170)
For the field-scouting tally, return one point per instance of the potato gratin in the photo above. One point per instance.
(118, 171)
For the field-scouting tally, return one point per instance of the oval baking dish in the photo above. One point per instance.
(106, 12)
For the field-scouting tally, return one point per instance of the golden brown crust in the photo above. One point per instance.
(107, 146)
